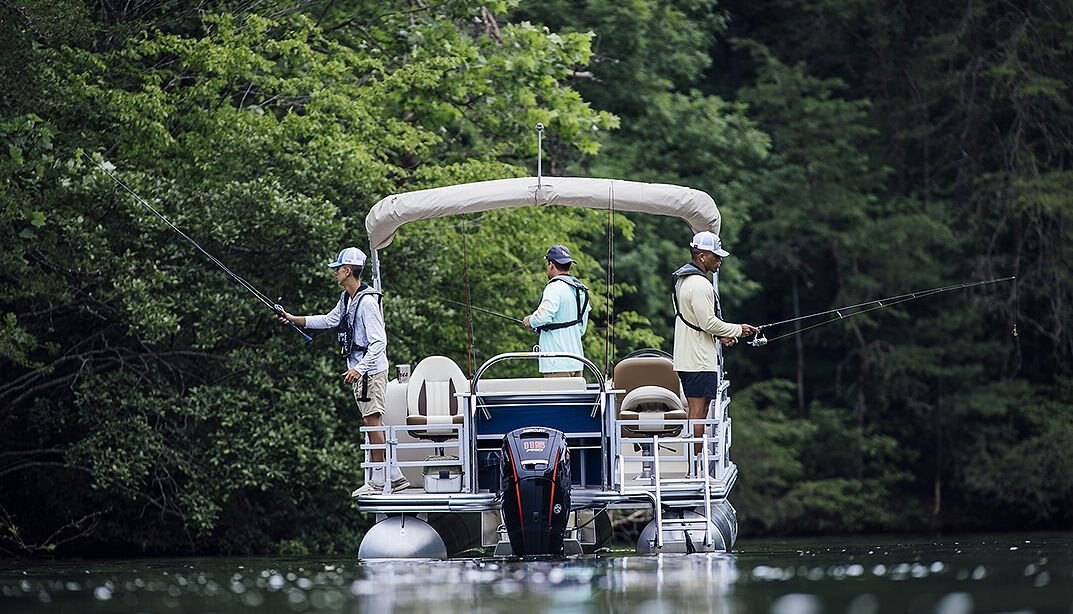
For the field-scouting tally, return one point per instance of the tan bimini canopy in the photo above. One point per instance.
(696, 208)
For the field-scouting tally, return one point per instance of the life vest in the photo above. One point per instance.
(345, 330)
(688, 270)
(581, 295)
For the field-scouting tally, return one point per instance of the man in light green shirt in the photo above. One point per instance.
(696, 326)
(562, 315)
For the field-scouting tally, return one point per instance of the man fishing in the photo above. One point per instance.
(562, 315)
(360, 324)
(697, 326)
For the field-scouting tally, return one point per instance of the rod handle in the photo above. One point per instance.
(278, 308)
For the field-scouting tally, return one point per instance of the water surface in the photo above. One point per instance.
(1003, 573)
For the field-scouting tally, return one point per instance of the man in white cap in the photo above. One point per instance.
(562, 315)
(360, 324)
(697, 326)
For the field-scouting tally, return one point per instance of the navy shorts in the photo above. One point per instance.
(699, 384)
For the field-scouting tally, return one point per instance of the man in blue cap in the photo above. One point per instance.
(360, 324)
(562, 315)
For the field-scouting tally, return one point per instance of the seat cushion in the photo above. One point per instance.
(651, 403)
(659, 427)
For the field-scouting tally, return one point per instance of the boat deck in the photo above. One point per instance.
(684, 493)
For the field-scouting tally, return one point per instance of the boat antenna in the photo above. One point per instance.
(274, 306)
(609, 330)
(882, 303)
(469, 303)
(540, 148)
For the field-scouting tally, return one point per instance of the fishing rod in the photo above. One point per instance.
(274, 306)
(488, 311)
(760, 340)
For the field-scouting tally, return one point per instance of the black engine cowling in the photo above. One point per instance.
(535, 490)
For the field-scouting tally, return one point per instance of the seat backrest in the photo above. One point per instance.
(647, 371)
(531, 384)
(433, 385)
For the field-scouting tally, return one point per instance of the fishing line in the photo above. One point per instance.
(482, 310)
(275, 307)
(881, 303)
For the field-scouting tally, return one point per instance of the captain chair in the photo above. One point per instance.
(653, 393)
(431, 398)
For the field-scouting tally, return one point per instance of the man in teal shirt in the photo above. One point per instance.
(562, 316)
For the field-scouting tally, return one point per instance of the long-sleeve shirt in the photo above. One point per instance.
(695, 350)
(367, 329)
(559, 303)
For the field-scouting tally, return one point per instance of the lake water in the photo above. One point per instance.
(993, 573)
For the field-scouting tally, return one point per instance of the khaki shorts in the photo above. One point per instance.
(374, 386)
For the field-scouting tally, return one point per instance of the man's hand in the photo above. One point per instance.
(748, 330)
(351, 376)
(284, 317)
(728, 341)
(525, 323)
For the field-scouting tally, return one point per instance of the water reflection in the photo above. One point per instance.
(948, 577)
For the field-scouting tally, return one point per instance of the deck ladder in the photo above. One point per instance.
(683, 524)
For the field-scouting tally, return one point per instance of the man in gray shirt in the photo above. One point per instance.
(363, 340)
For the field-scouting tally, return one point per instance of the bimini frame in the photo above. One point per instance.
(694, 207)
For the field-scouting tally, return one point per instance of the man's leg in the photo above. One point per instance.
(375, 437)
(698, 410)
(369, 392)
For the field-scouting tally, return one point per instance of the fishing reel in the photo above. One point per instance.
(758, 341)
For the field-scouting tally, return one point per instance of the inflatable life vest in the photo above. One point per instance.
(581, 295)
(345, 330)
(688, 270)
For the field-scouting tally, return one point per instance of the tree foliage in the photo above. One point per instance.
(856, 150)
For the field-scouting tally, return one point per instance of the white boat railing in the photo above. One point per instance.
(454, 434)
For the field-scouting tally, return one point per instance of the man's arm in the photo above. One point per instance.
(375, 331)
(701, 299)
(545, 311)
(328, 320)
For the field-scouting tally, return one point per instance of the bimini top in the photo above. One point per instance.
(696, 208)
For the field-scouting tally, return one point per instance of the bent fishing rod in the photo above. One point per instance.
(882, 303)
(274, 306)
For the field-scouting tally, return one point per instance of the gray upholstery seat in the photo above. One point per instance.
(653, 392)
(431, 398)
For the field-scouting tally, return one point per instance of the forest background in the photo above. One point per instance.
(856, 149)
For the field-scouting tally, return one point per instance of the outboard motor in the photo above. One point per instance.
(535, 490)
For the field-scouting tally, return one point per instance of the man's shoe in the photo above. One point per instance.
(370, 488)
(400, 484)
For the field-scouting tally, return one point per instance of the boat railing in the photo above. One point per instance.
(480, 406)
(658, 447)
(453, 438)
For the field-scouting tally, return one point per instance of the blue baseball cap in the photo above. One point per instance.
(559, 254)
(350, 255)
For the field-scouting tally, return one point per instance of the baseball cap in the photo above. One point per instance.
(559, 254)
(350, 255)
(709, 242)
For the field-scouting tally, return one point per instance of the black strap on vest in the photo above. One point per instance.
(345, 330)
(579, 291)
(686, 271)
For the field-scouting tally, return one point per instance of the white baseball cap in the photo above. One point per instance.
(709, 242)
(350, 255)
